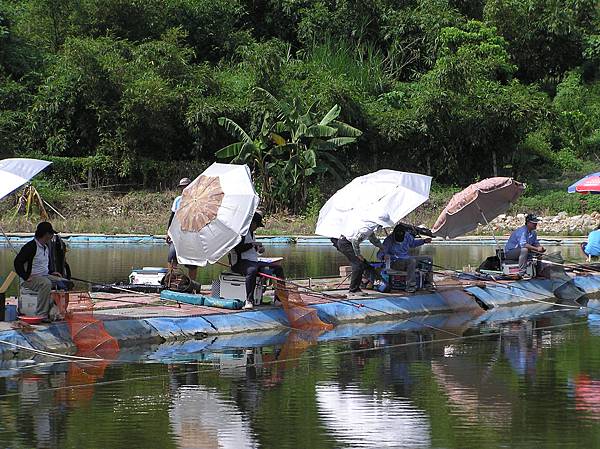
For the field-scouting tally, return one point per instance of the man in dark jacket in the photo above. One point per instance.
(245, 260)
(32, 264)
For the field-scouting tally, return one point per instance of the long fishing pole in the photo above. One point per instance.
(151, 295)
(358, 305)
(504, 287)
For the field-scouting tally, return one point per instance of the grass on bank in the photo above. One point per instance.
(143, 212)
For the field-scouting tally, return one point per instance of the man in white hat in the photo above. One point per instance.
(172, 258)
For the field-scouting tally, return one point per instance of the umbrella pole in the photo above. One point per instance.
(488, 224)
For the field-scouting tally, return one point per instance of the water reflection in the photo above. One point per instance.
(203, 418)
(515, 387)
(356, 419)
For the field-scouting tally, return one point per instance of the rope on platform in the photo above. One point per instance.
(152, 295)
(52, 354)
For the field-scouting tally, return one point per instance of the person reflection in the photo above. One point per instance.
(521, 348)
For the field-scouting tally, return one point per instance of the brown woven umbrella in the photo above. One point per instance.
(477, 204)
(200, 203)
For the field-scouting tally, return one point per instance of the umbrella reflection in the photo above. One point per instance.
(365, 420)
(587, 396)
(202, 417)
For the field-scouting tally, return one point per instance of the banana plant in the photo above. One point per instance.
(256, 152)
(310, 141)
(292, 147)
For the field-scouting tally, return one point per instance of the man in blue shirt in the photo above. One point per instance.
(522, 242)
(591, 248)
(396, 246)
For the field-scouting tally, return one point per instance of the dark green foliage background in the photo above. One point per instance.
(131, 91)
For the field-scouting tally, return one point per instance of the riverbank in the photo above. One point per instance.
(147, 213)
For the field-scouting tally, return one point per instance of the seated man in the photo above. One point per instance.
(32, 265)
(244, 260)
(396, 247)
(591, 248)
(522, 242)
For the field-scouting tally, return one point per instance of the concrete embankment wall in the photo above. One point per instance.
(129, 239)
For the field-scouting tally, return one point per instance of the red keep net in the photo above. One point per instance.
(87, 332)
(298, 313)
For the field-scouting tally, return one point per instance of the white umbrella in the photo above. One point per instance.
(216, 210)
(17, 171)
(384, 197)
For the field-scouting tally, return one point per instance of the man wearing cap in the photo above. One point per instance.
(172, 257)
(32, 264)
(244, 259)
(522, 241)
(396, 247)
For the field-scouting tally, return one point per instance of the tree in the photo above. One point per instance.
(545, 37)
(294, 147)
(470, 110)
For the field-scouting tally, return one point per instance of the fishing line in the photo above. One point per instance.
(359, 305)
(292, 359)
(52, 354)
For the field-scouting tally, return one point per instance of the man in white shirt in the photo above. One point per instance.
(245, 260)
(172, 257)
(350, 247)
(32, 265)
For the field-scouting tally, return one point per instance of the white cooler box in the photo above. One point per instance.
(27, 302)
(233, 286)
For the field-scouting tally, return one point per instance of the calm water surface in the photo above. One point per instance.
(521, 384)
(110, 263)
(529, 387)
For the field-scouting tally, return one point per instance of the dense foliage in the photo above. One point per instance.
(133, 91)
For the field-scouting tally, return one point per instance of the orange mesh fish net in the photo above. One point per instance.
(298, 313)
(83, 376)
(87, 332)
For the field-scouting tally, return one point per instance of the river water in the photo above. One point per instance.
(518, 383)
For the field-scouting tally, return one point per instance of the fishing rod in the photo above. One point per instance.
(348, 302)
(151, 295)
(504, 288)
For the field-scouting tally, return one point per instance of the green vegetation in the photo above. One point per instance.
(146, 212)
(309, 93)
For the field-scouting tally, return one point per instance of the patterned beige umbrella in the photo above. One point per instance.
(215, 211)
(200, 203)
(477, 204)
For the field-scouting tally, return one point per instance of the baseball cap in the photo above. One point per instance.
(532, 218)
(184, 182)
(44, 228)
(258, 218)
